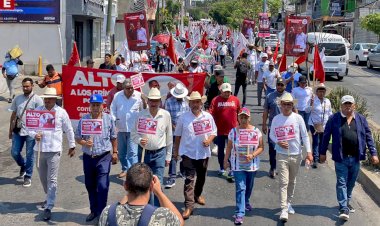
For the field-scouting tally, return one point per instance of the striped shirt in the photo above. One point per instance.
(101, 143)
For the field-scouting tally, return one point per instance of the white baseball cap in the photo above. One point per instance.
(347, 98)
(226, 87)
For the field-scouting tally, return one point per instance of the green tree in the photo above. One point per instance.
(371, 23)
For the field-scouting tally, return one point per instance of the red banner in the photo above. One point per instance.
(80, 83)
(296, 35)
(248, 28)
(264, 25)
(137, 32)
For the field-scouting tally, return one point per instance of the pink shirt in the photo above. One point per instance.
(110, 96)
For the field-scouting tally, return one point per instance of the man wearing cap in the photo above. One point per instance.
(320, 110)
(303, 94)
(270, 77)
(351, 137)
(158, 142)
(271, 109)
(214, 89)
(119, 87)
(287, 131)
(98, 152)
(18, 133)
(291, 77)
(224, 108)
(222, 50)
(252, 59)
(176, 106)
(194, 133)
(124, 109)
(49, 143)
(260, 68)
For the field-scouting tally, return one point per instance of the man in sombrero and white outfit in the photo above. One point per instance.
(50, 143)
(176, 106)
(194, 132)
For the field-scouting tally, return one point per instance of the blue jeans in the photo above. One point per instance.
(346, 174)
(244, 181)
(317, 143)
(127, 150)
(155, 159)
(221, 142)
(305, 117)
(17, 146)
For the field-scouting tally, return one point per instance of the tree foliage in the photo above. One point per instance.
(371, 23)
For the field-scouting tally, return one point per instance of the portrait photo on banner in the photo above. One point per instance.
(248, 28)
(137, 32)
(296, 35)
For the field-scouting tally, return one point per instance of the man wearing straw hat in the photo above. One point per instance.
(124, 108)
(17, 132)
(176, 106)
(194, 133)
(287, 131)
(156, 145)
(98, 152)
(49, 146)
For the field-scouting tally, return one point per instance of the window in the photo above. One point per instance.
(357, 47)
(333, 49)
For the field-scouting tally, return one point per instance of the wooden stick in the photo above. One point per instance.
(38, 153)
(143, 155)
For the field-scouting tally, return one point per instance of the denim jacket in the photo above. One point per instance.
(333, 127)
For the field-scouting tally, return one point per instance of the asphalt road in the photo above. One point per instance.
(314, 202)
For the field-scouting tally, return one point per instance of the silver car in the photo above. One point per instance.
(373, 59)
(359, 51)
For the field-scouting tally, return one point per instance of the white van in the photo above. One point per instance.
(336, 53)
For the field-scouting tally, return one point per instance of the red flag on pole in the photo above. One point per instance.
(319, 71)
(276, 52)
(204, 41)
(188, 45)
(282, 64)
(300, 59)
(177, 33)
(171, 50)
(74, 58)
(187, 34)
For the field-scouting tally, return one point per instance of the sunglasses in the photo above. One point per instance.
(287, 104)
(280, 84)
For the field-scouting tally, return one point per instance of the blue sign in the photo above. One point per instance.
(33, 12)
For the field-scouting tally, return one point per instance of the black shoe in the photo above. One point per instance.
(47, 214)
(272, 173)
(344, 215)
(9, 100)
(42, 205)
(27, 182)
(22, 173)
(315, 165)
(91, 217)
(352, 209)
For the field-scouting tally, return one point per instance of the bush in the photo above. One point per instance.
(376, 139)
(337, 93)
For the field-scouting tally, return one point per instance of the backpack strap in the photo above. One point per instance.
(146, 215)
(111, 219)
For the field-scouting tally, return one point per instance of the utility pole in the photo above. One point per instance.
(182, 14)
(108, 28)
(264, 6)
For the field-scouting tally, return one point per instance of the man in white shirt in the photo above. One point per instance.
(49, 143)
(300, 42)
(156, 138)
(222, 50)
(270, 79)
(141, 33)
(252, 59)
(287, 130)
(119, 65)
(194, 67)
(124, 108)
(195, 131)
(261, 67)
(303, 94)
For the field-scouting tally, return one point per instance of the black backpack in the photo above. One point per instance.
(243, 67)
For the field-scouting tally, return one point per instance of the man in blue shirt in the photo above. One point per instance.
(291, 77)
(10, 72)
(96, 154)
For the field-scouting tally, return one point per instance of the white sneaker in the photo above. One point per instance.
(284, 216)
(290, 209)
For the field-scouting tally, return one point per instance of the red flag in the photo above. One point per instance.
(187, 34)
(204, 41)
(177, 33)
(188, 45)
(319, 71)
(171, 50)
(74, 58)
(282, 64)
(300, 59)
(228, 33)
(276, 52)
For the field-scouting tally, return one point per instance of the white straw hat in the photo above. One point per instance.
(50, 93)
(179, 91)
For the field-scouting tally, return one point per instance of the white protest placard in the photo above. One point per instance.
(202, 127)
(91, 127)
(284, 133)
(137, 81)
(40, 120)
(248, 137)
(147, 126)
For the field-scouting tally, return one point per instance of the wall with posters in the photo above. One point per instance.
(38, 38)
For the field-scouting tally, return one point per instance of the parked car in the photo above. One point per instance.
(271, 41)
(359, 52)
(373, 59)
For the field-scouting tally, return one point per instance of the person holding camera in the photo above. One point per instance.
(17, 132)
(98, 153)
